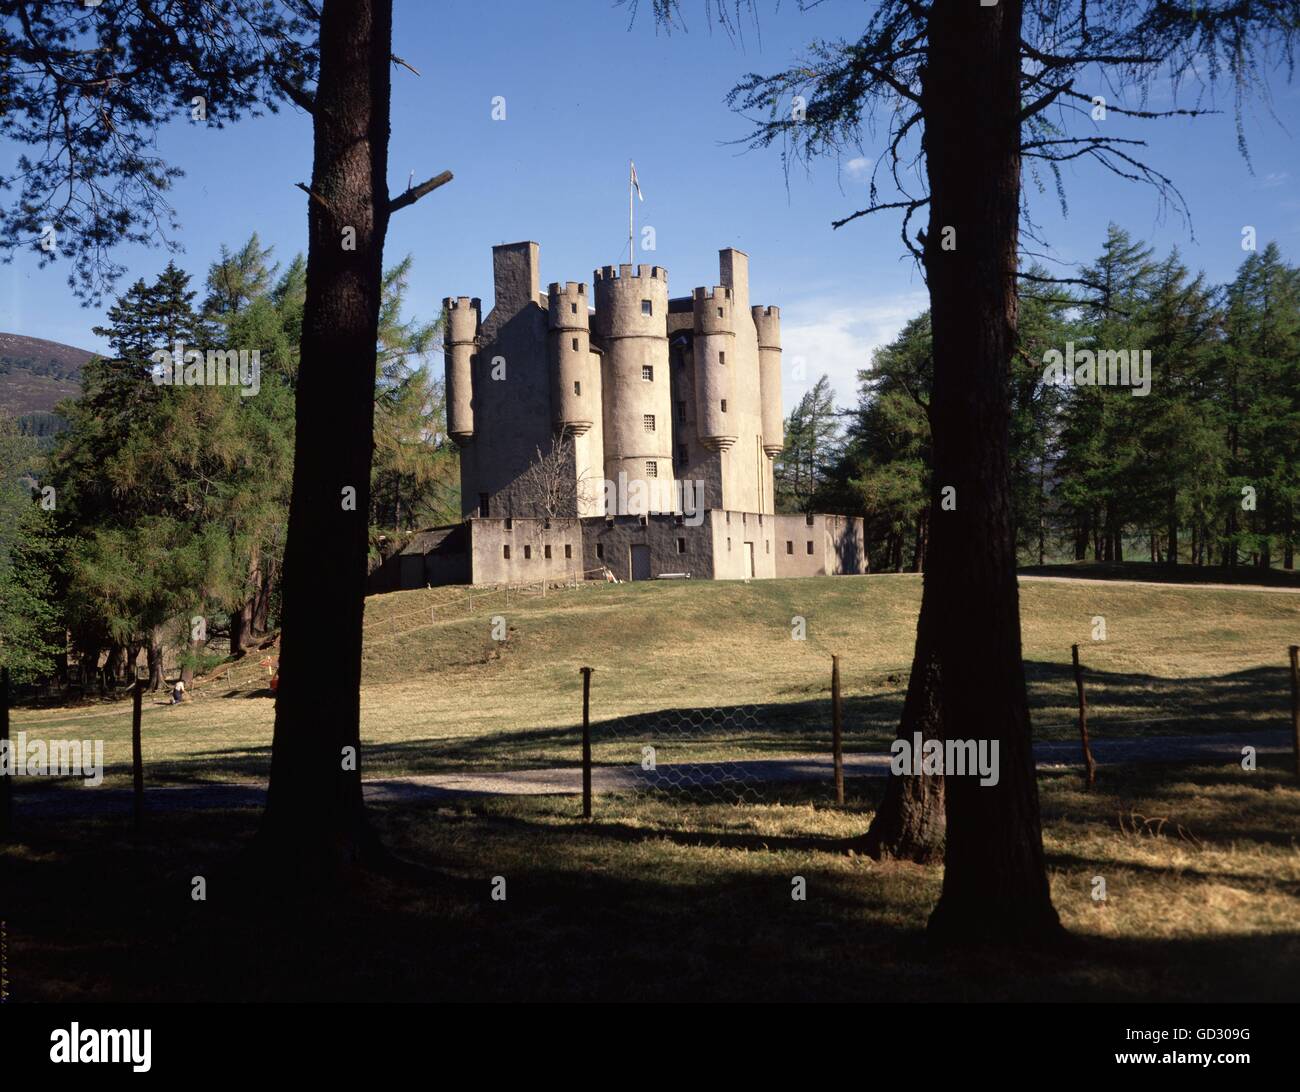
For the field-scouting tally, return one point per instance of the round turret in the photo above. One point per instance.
(569, 355)
(460, 342)
(768, 322)
(631, 323)
(715, 337)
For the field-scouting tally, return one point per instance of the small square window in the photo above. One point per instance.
(651, 468)
(568, 550)
(681, 545)
(789, 546)
(575, 343)
(528, 553)
(573, 308)
(577, 387)
(724, 405)
(648, 422)
(647, 307)
(647, 373)
(600, 549)
(505, 552)
(546, 551)
(810, 546)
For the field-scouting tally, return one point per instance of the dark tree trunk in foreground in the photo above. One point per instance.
(995, 885)
(909, 824)
(314, 821)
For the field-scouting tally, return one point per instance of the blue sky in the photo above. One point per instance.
(584, 92)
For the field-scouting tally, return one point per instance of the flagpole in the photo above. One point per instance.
(631, 217)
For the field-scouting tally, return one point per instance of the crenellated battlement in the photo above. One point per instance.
(567, 306)
(718, 291)
(768, 322)
(462, 319)
(625, 272)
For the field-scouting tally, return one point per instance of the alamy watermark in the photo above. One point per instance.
(1102, 368)
(182, 367)
(82, 758)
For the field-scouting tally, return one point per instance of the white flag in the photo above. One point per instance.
(635, 184)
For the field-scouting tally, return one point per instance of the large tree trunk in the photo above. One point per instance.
(154, 658)
(314, 821)
(995, 885)
(910, 822)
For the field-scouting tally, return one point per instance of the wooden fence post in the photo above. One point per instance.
(837, 730)
(1295, 705)
(1083, 718)
(6, 781)
(137, 764)
(586, 742)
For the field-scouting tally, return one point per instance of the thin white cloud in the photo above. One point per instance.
(858, 167)
(835, 337)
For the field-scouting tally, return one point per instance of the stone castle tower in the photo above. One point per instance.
(631, 385)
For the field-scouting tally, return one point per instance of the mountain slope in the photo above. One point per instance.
(35, 374)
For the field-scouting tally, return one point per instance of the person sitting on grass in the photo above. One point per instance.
(178, 692)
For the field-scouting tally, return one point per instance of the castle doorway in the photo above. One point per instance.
(749, 560)
(640, 562)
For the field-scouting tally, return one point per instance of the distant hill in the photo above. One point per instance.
(35, 374)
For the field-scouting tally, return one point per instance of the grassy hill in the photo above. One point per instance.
(439, 694)
(36, 374)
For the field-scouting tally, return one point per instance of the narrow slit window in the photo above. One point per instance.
(568, 551)
(528, 553)
(722, 358)
(724, 405)
(575, 343)
(810, 546)
(647, 307)
(505, 552)
(577, 387)
(600, 549)
(681, 545)
(789, 546)
(546, 552)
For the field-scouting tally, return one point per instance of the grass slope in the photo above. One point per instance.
(440, 694)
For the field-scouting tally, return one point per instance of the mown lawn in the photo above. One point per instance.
(439, 694)
(665, 898)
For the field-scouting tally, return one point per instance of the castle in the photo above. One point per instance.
(630, 435)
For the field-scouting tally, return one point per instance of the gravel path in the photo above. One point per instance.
(82, 801)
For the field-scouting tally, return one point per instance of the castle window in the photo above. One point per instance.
(810, 546)
(600, 549)
(528, 553)
(510, 524)
(681, 545)
(483, 505)
(651, 469)
(724, 405)
(575, 342)
(728, 543)
(546, 551)
(809, 519)
(648, 422)
(722, 358)
(568, 550)
(643, 520)
(577, 387)
(719, 312)
(647, 308)
(573, 308)
(789, 546)
(647, 373)
(767, 546)
(505, 552)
